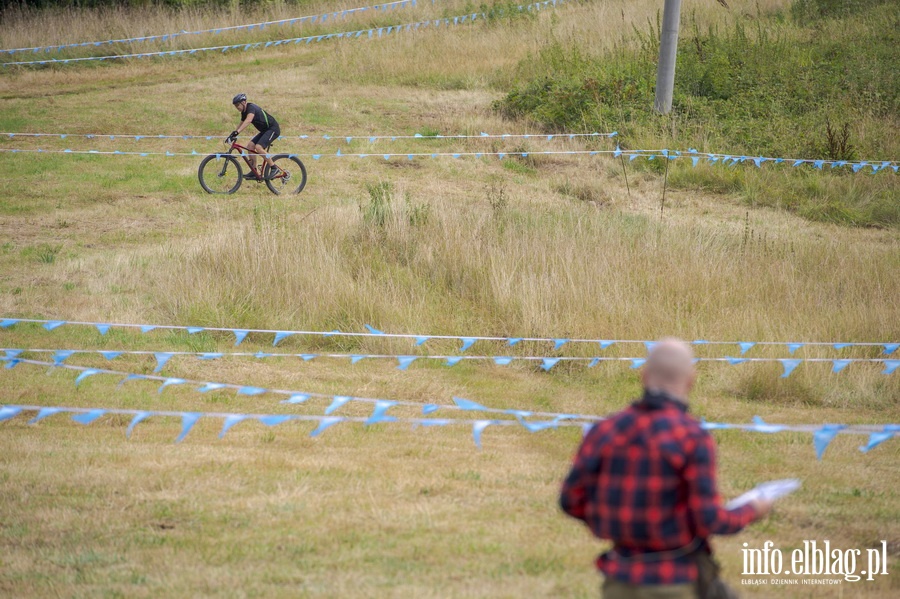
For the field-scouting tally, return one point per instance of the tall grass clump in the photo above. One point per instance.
(548, 271)
(383, 208)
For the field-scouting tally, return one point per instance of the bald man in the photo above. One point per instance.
(645, 478)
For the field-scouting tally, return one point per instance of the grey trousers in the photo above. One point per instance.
(614, 589)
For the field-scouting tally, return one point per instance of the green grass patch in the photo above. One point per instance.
(44, 253)
(518, 167)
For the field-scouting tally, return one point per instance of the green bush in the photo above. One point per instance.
(804, 87)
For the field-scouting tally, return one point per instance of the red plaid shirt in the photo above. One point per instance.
(646, 479)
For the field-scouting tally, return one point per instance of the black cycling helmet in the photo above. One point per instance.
(239, 98)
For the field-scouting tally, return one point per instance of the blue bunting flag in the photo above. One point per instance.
(477, 428)
(138, 418)
(405, 361)
(465, 404)
(789, 366)
(548, 363)
(88, 417)
(824, 436)
(161, 359)
(324, 424)
(337, 403)
(839, 365)
(378, 413)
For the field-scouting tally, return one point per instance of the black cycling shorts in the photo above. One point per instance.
(265, 138)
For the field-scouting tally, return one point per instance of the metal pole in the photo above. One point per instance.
(668, 49)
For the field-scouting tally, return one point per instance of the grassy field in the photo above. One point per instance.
(548, 246)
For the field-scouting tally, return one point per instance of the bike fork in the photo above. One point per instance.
(224, 166)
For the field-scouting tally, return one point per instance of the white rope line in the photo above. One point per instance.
(51, 325)
(362, 356)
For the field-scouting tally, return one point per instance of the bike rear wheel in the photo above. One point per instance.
(220, 173)
(293, 178)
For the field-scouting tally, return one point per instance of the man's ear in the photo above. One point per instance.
(692, 379)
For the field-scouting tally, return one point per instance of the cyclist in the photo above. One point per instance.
(268, 129)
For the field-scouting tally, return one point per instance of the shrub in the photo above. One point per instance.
(821, 89)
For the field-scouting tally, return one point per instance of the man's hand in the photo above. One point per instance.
(762, 507)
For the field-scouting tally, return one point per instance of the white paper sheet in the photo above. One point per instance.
(769, 491)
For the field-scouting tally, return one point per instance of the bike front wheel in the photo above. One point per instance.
(291, 180)
(220, 173)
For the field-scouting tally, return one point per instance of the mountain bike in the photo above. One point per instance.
(222, 173)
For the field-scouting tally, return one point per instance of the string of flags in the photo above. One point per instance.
(869, 166)
(733, 159)
(822, 434)
(368, 33)
(467, 341)
(694, 155)
(404, 361)
(189, 419)
(292, 397)
(164, 37)
(328, 137)
(338, 154)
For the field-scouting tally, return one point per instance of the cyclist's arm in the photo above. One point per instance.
(245, 123)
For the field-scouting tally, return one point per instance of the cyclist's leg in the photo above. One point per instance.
(265, 140)
(254, 148)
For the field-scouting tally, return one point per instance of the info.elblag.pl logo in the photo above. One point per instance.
(813, 559)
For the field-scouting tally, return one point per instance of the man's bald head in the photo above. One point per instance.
(670, 368)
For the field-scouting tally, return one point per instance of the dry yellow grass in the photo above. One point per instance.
(475, 57)
(535, 269)
(26, 28)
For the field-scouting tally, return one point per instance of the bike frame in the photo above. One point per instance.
(243, 152)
